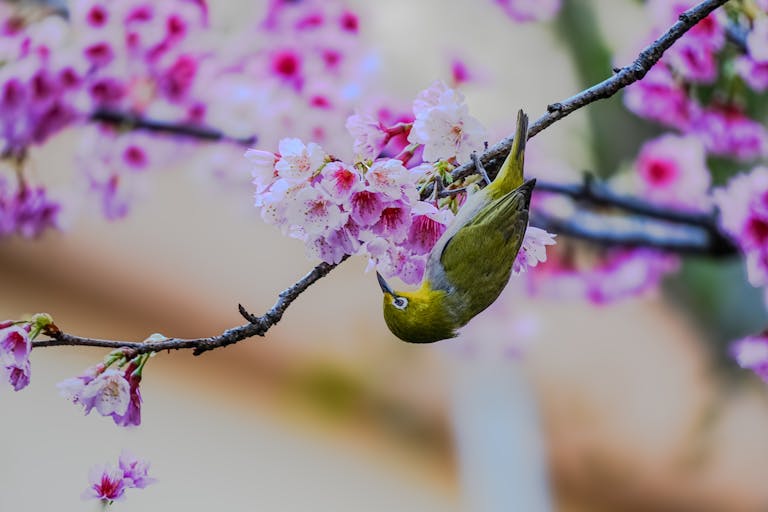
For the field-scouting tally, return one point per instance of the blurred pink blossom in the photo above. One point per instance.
(752, 353)
(672, 170)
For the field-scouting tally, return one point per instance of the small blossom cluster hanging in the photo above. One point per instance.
(372, 207)
(108, 483)
(111, 387)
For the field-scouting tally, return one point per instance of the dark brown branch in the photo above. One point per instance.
(133, 122)
(258, 326)
(605, 89)
(607, 231)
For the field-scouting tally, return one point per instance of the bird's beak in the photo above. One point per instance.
(384, 285)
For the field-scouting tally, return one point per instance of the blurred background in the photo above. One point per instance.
(539, 405)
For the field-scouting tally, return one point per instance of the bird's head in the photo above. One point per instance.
(421, 316)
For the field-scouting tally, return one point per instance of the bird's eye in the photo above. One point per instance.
(400, 302)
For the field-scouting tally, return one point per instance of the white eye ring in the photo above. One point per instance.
(400, 302)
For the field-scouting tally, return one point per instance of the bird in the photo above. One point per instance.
(471, 262)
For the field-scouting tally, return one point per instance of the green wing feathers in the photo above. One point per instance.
(510, 174)
(478, 259)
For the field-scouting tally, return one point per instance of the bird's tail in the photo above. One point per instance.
(510, 175)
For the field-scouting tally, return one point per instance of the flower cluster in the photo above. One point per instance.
(674, 91)
(672, 171)
(26, 210)
(743, 206)
(372, 207)
(16, 346)
(298, 70)
(108, 483)
(111, 388)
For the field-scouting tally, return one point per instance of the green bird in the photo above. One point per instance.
(470, 264)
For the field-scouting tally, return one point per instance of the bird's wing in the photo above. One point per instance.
(478, 259)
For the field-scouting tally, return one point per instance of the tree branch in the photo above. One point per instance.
(133, 122)
(605, 89)
(258, 326)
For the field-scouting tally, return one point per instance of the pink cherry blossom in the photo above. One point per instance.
(616, 275)
(367, 207)
(109, 483)
(369, 135)
(135, 471)
(132, 415)
(263, 170)
(660, 97)
(744, 196)
(427, 226)
(106, 484)
(105, 390)
(672, 170)
(394, 222)
(19, 375)
(754, 73)
(709, 32)
(15, 343)
(340, 181)
(743, 206)
(533, 249)
(15, 348)
(752, 353)
(694, 61)
(390, 177)
(443, 125)
(298, 162)
(315, 211)
(727, 131)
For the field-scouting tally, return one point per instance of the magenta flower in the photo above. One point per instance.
(106, 484)
(533, 249)
(752, 353)
(19, 375)
(743, 205)
(443, 125)
(368, 134)
(673, 171)
(695, 62)
(427, 226)
(660, 97)
(15, 343)
(132, 415)
(340, 181)
(26, 211)
(106, 390)
(394, 222)
(135, 471)
(298, 162)
(15, 347)
(754, 73)
(109, 483)
(727, 131)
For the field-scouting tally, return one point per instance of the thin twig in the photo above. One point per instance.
(258, 326)
(133, 122)
(622, 78)
(607, 231)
